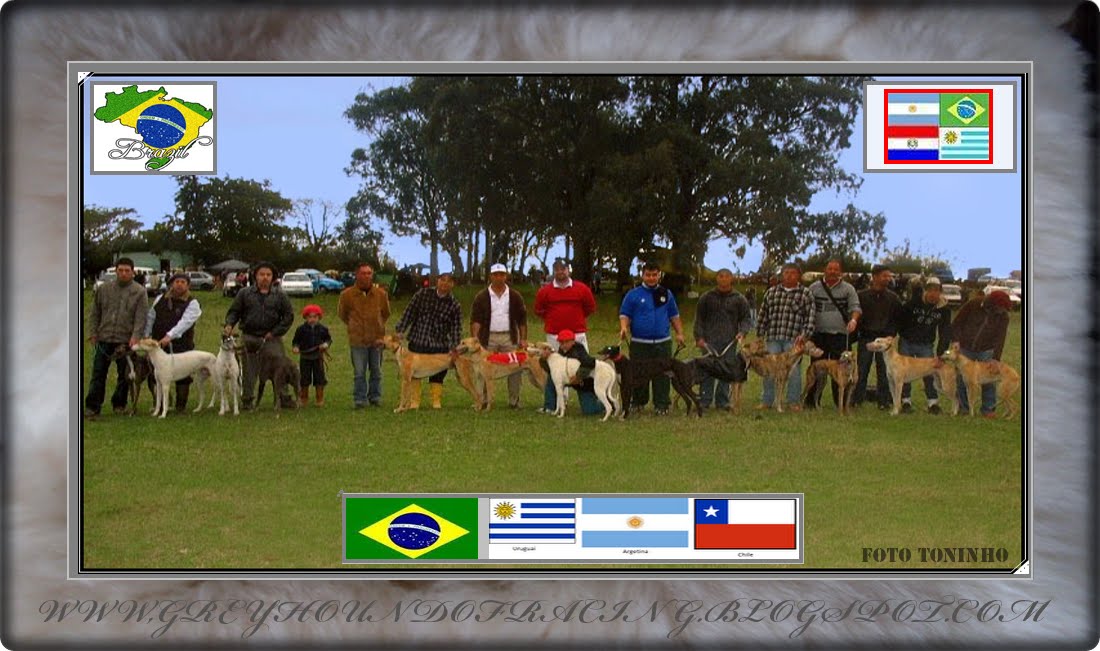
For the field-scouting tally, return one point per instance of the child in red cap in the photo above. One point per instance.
(311, 340)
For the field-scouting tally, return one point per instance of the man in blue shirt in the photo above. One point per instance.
(646, 314)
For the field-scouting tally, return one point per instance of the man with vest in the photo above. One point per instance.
(171, 321)
(498, 318)
(836, 316)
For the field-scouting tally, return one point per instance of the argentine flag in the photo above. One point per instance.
(634, 522)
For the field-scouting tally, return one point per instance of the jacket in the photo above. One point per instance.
(981, 326)
(364, 313)
(260, 313)
(118, 312)
(481, 312)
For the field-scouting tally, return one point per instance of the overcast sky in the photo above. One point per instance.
(291, 131)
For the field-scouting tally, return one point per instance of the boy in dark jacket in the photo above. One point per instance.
(925, 324)
(311, 341)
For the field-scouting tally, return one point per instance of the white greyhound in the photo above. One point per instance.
(604, 380)
(228, 376)
(171, 368)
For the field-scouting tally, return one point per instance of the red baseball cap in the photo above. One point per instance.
(312, 309)
(566, 335)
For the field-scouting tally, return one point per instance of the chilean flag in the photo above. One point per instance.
(745, 524)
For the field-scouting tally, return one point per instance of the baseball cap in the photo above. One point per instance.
(498, 268)
(561, 263)
(312, 309)
(566, 335)
(179, 275)
(933, 281)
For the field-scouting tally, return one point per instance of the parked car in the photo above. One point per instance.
(953, 295)
(200, 280)
(1016, 300)
(295, 283)
(321, 282)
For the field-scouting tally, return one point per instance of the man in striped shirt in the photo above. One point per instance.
(786, 319)
(433, 322)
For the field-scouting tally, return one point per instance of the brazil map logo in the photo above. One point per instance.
(148, 128)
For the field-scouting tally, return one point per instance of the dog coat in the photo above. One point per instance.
(507, 358)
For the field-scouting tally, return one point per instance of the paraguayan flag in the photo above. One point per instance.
(532, 520)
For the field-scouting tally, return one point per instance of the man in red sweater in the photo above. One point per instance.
(563, 304)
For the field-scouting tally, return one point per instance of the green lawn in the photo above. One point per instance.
(256, 491)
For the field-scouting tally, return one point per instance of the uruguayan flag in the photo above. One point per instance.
(962, 143)
(524, 520)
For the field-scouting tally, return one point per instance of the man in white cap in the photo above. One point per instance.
(498, 318)
(925, 324)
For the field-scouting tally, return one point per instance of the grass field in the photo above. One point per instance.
(201, 491)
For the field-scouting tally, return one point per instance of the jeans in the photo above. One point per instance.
(364, 358)
(101, 366)
(662, 385)
(882, 383)
(913, 349)
(590, 404)
(712, 390)
(794, 381)
(989, 391)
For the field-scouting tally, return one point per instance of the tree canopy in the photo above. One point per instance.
(615, 165)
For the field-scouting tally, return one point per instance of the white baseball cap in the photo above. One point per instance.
(498, 268)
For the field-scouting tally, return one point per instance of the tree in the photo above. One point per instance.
(749, 153)
(903, 259)
(105, 233)
(316, 221)
(230, 218)
(400, 184)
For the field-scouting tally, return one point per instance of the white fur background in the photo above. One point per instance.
(39, 42)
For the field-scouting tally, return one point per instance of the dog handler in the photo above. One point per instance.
(722, 316)
(563, 304)
(433, 320)
(568, 347)
(882, 314)
(786, 320)
(364, 308)
(981, 327)
(118, 318)
(646, 313)
(836, 316)
(498, 318)
(311, 341)
(926, 319)
(171, 321)
(265, 315)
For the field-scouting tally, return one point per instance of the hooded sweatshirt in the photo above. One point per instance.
(925, 323)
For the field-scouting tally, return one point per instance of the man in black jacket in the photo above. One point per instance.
(882, 312)
(926, 324)
(265, 315)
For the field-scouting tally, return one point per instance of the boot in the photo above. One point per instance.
(437, 394)
(320, 396)
(414, 397)
(303, 396)
(181, 397)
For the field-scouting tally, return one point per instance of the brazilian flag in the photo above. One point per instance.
(964, 109)
(163, 123)
(425, 528)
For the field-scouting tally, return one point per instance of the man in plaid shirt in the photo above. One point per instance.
(786, 319)
(433, 321)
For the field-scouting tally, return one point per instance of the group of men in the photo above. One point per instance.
(830, 313)
(833, 315)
